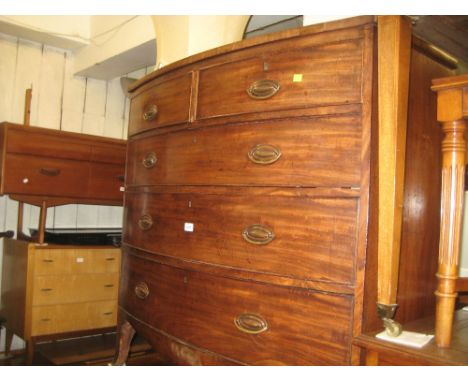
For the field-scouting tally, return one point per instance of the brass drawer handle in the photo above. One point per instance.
(49, 171)
(109, 286)
(141, 290)
(264, 154)
(45, 319)
(258, 234)
(110, 258)
(145, 222)
(251, 323)
(47, 261)
(108, 313)
(263, 89)
(46, 289)
(150, 159)
(150, 113)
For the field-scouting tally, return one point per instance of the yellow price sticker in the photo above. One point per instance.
(297, 77)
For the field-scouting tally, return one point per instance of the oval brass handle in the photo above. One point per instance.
(141, 290)
(251, 323)
(150, 113)
(49, 171)
(264, 154)
(149, 160)
(263, 89)
(145, 222)
(258, 234)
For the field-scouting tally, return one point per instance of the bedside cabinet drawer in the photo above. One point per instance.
(296, 77)
(306, 238)
(249, 322)
(32, 175)
(318, 152)
(165, 103)
(60, 261)
(73, 317)
(48, 290)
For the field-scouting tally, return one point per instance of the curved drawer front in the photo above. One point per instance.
(308, 238)
(73, 317)
(166, 103)
(49, 290)
(298, 76)
(313, 151)
(213, 312)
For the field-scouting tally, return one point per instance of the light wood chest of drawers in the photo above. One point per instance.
(250, 171)
(52, 290)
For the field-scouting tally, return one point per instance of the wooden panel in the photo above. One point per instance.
(106, 181)
(109, 154)
(314, 152)
(172, 99)
(73, 317)
(314, 238)
(71, 179)
(307, 75)
(76, 261)
(200, 309)
(48, 290)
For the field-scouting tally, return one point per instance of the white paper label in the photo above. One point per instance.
(122, 189)
(188, 227)
(79, 260)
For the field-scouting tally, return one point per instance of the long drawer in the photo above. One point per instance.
(248, 322)
(62, 261)
(302, 237)
(297, 76)
(73, 317)
(307, 151)
(48, 290)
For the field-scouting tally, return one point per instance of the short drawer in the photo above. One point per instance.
(49, 290)
(322, 151)
(301, 237)
(300, 75)
(61, 261)
(73, 317)
(166, 103)
(25, 174)
(249, 322)
(106, 181)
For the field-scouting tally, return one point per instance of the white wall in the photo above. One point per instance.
(60, 101)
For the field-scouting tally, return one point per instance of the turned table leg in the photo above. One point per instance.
(124, 340)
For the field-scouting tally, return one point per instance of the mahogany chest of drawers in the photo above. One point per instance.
(247, 204)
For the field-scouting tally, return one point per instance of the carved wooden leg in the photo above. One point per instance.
(8, 341)
(453, 178)
(124, 340)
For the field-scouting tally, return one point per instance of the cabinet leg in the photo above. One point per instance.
(8, 341)
(29, 352)
(124, 340)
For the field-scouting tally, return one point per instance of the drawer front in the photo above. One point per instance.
(288, 79)
(106, 181)
(32, 175)
(60, 261)
(314, 152)
(249, 322)
(73, 317)
(302, 237)
(33, 142)
(49, 290)
(109, 154)
(166, 103)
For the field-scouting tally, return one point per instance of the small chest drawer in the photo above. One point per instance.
(73, 317)
(313, 151)
(32, 175)
(48, 290)
(307, 238)
(61, 261)
(294, 77)
(166, 103)
(251, 323)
